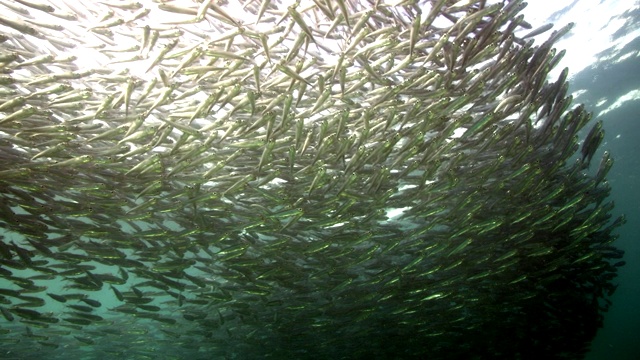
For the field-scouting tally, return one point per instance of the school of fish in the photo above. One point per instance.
(312, 180)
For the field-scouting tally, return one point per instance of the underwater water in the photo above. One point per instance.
(617, 340)
(607, 81)
(318, 180)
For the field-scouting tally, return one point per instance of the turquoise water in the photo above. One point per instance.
(610, 80)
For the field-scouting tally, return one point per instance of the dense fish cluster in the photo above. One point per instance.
(312, 180)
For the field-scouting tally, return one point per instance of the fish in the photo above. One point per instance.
(310, 180)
